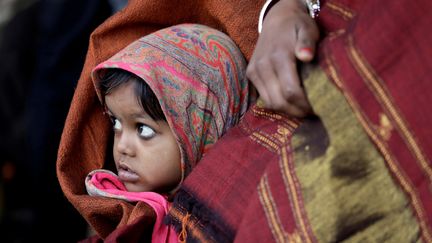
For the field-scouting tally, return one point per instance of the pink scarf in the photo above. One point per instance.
(105, 183)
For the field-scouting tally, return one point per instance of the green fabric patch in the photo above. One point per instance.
(348, 191)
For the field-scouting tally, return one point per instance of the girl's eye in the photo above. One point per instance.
(145, 131)
(116, 124)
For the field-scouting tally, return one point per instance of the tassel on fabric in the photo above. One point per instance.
(183, 233)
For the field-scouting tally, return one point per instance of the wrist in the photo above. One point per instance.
(264, 10)
(311, 6)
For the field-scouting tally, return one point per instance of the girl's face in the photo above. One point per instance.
(145, 151)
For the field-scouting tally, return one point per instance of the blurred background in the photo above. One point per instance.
(43, 44)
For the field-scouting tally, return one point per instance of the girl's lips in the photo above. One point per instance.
(127, 175)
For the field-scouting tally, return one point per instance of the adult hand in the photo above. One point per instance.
(288, 34)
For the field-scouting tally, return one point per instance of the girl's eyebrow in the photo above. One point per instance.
(143, 115)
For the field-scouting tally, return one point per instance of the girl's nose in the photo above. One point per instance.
(124, 144)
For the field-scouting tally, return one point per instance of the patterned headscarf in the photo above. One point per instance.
(198, 75)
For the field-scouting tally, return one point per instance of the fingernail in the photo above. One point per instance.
(306, 50)
(305, 54)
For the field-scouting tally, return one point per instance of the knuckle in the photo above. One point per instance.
(289, 94)
(251, 71)
(276, 57)
(262, 62)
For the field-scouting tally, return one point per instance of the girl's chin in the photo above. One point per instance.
(132, 187)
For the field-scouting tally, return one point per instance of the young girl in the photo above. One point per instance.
(170, 95)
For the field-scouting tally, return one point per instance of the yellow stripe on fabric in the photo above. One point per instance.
(291, 188)
(266, 142)
(270, 210)
(391, 161)
(268, 114)
(275, 116)
(383, 95)
(290, 185)
(342, 11)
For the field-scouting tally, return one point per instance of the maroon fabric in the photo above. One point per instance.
(381, 59)
(137, 231)
(220, 191)
(379, 56)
